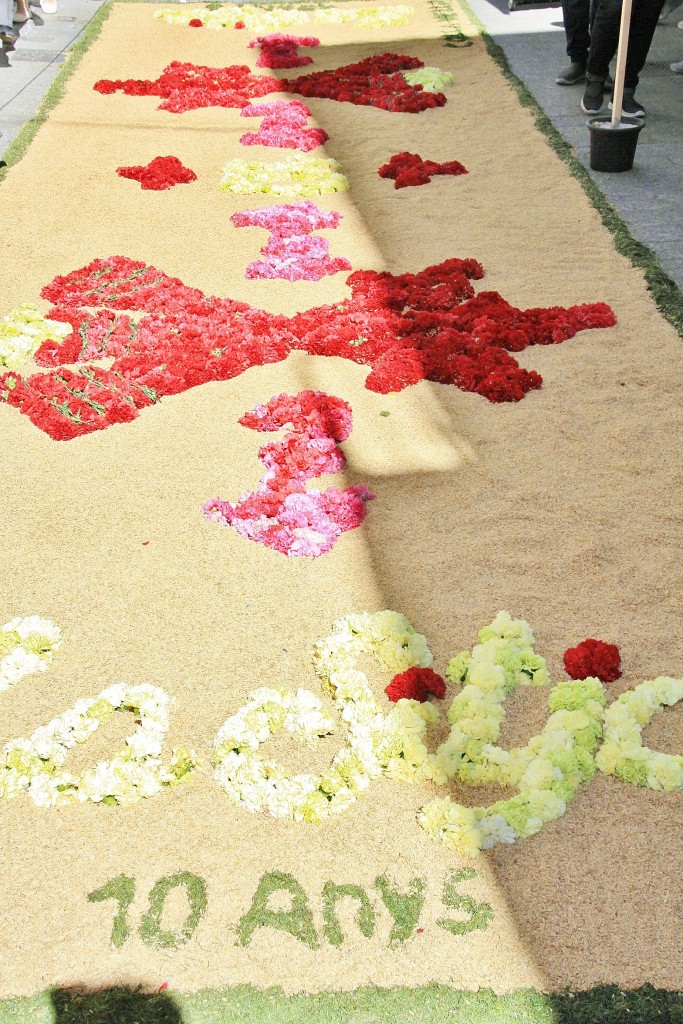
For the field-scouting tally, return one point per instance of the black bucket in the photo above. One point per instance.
(613, 149)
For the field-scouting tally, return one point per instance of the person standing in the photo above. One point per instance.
(603, 47)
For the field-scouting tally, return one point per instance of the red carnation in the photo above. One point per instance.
(593, 658)
(196, 23)
(416, 684)
(240, 24)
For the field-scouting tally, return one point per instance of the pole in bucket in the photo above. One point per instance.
(613, 141)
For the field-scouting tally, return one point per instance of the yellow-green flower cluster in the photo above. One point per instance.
(255, 18)
(36, 765)
(26, 646)
(622, 752)
(431, 79)
(365, 17)
(296, 177)
(548, 770)
(23, 331)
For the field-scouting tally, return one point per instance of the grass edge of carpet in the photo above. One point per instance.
(666, 294)
(431, 1004)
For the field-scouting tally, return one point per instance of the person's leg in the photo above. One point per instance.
(644, 18)
(604, 38)
(576, 15)
(6, 13)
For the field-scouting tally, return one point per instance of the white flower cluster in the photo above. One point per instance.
(35, 765)
(431, 79)
(375, 742)
(255, 18)
(26, 646)
(365, 17)
(622, 752)
(297, 176)
(23, 331)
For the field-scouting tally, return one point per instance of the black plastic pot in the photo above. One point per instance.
(613, 149)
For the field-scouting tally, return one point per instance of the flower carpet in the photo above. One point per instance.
(341, 659)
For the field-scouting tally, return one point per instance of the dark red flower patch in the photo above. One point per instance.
(405, 327)
(239, 24)
(410, 169)
(281, 51)
(416, 684)
(196, 23)
(160, 173)
(593, 658)
(374, 82)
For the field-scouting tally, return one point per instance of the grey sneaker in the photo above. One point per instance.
(572, 74)
(592, 98)
(630, 107)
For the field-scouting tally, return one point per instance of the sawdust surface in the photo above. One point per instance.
(561, 508)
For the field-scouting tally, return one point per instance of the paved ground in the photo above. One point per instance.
(650, 197)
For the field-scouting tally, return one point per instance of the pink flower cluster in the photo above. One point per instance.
(291, 253)
(405, 327)
(374, 82)
(283, 126)
(281, 513)
(280, 51)
(160, 173)
(410, 169)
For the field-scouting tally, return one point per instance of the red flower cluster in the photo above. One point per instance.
(196, 23)
(239, 24)
(406, 327)
(593, 658)
(160, 173)
(280, 51)
(373, 82)
(192, 86)
(282, 513)
(410, 169)
(416, 684)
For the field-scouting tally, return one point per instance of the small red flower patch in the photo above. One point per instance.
(410, 169)
(239, 24)
(161, 173)
(593, 658)
(196, 23)
(416, 684)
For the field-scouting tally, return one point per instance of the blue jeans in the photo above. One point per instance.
(605, 37)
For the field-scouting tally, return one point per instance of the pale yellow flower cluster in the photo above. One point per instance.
(255, 18)
(297, 176)
(23, 331)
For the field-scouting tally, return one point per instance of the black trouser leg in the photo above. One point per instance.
(576, 18)
(605, 37)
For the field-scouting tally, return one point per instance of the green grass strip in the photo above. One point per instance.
(665, 292)
(432, 1004)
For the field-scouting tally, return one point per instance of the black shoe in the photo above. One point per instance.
(572, 74)
(630, 107)
(592, 98)
(608, 84)
(8, 36)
